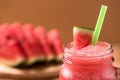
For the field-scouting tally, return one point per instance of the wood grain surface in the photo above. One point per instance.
(38, 72)
(116, 55)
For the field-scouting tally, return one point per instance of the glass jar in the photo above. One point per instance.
(77, 67)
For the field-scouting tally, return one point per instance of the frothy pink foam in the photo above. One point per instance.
(102, 48)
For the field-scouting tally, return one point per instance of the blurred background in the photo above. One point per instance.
(63, 15)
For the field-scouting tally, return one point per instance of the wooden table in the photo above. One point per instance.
(116, 55)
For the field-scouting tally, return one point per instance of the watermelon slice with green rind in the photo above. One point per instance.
(55, 43)
(35, 54)
(10, 54)
(81, 36)
(40, 34)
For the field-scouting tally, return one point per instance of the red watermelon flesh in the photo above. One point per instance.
(56, 43)
(4, 33)
(41, 37)
(36, 50)
(16, 30)
(28, 33)
(10, 53)
(81, 36)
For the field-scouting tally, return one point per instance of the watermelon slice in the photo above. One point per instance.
(41, 37)
(36, 51)
(9, 50)
(81, 36)
(55, 43)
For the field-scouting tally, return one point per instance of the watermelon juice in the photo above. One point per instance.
(89, 63)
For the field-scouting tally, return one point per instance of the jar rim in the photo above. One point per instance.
(68, 45)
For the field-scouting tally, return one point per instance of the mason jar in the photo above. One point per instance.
(79, 66)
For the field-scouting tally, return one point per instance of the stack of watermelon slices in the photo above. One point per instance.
(24, 43)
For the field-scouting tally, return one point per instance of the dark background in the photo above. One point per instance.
(63, 15)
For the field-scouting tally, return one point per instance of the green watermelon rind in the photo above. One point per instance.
(33, 60)
(82, 29)
(13, 63)
(50, 58)
(59, 57)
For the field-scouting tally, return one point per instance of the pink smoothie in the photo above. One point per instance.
(89, 63)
